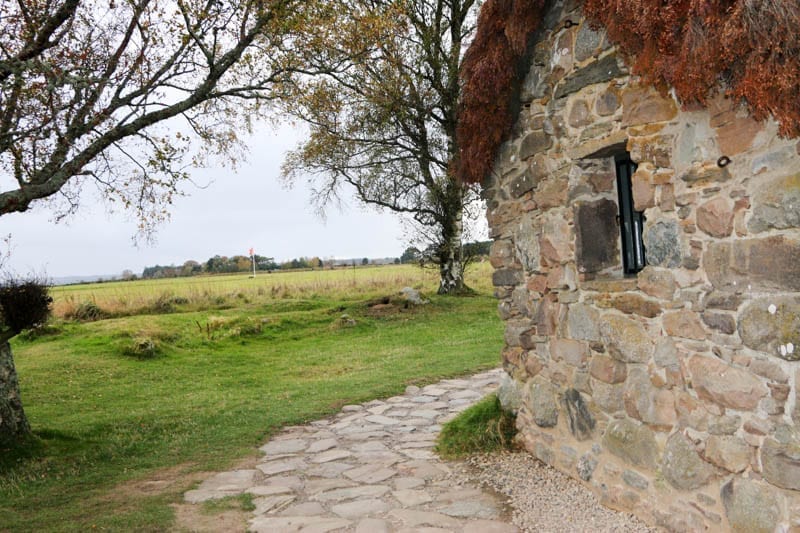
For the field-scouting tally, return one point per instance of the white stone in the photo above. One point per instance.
(372, 525)
(272, 503)
(360, 508)
(321, 445)
(279, 447)
(331, 455)
(280, 466)
(293, 524)
(363, 491)
(410, 498)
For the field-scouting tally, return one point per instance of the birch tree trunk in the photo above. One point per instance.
(13, 423)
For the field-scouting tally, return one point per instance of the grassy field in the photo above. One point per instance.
(120, 403)
(122, 298)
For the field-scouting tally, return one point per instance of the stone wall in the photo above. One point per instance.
(673, 393)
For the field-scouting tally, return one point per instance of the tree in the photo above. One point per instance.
(88, 88)
(23, 304)
(382, 115)
(365, 261)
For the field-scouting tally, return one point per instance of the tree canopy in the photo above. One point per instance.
(88, 86)
(382, 115)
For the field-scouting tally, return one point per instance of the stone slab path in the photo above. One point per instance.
(369, 469)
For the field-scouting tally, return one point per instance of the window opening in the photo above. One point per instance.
(631, 221)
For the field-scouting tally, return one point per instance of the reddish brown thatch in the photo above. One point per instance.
(492, 72)
(748, 49)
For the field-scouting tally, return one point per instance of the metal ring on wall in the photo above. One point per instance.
(723, 161)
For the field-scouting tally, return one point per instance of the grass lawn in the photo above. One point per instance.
(115, 401)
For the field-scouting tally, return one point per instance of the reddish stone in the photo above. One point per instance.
(551, 193)
(644, 192)
(579, 114)
(607, 103)
(715, 217)
(533, 365)
(657, 282)
(666, 200)
(602, 182)
(685, 324)
(608, 370)
(730, 453)
(574, 353)
(643, 105)
(631, 303)
(537, 283)
(512, 355)
(718, 382)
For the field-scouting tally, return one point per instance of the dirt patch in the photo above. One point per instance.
(193, 518)
(176, 480)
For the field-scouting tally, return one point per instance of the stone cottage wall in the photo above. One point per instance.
(674, 393)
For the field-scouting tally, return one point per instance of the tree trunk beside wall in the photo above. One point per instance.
(13, 423)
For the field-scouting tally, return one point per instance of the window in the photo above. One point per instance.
(630, 221)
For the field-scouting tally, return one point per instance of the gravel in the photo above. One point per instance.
(543, 499)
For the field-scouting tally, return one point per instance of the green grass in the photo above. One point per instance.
(123, 298)
(108, 413)
(483, 427)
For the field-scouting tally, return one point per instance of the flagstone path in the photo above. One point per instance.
(369, 469)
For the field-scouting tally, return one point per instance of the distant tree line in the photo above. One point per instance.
(220, 264)
(469, 251)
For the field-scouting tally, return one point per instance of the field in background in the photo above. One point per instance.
(128, 410)
(121, 298)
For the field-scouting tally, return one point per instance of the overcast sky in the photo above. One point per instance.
(235, 212)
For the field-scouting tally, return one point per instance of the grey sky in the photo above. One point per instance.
(235, 212)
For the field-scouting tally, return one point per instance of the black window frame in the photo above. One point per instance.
(631, 222)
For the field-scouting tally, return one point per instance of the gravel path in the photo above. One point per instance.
(372, 469)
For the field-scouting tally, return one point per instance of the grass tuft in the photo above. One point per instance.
(484, 427)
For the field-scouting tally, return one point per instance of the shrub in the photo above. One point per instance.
(24, 304)
(87, 312)
(484, 427)
(143, 347)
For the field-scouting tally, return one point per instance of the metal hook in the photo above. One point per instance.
(723, 161)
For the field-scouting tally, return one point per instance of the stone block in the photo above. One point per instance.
(665, 354)
(579, 114)
(501, 253)
(572, 352)
(644, 402)
(633, 479)
(552, 193)
(722, 322)
(781, 158)
(715, 217)
(716, 381)
(700, 175)
(728, 452)
(597, 235)
(507, 277)
(608, 397)
(602, 70)
(522, 183)
(643, 190)
(608, 370)
(632, 442)
(526, 242)
(581, 421)
(644, 105)
(582, 322)
(772, 325)
(654, 150)
(509, 393)
(750, 506)
(781, 463)
(662, 244)
(776, 205)
(586, 466)
(626, 339)
(542, 403)
(724, 300)
(607, 103)
(533, 143)
(685, 324)
(630, 304)
(587, 42)
(682, 466)
(657, 282)
(762, 264)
